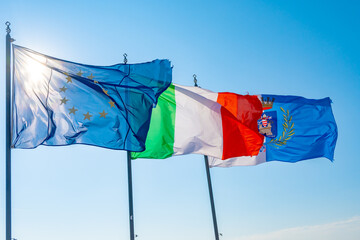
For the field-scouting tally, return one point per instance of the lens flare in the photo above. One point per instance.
(36, 71)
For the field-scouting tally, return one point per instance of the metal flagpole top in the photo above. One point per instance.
(8, 30)
(125, 58)
(195, 80)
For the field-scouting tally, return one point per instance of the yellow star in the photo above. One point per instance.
(69, 79)
(106, 92)
(112, 104)
(87, 116)
(103, 114)
(91, 77)
(66, 74)
(63, 89)
(79, 73)
(72, 110)
(96, 81)
(64, 100)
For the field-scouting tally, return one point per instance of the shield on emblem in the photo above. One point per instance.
(268, 124)
(264, 122)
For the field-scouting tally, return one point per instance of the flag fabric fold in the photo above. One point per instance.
(57, 102)
(194, 120)
(295, 129)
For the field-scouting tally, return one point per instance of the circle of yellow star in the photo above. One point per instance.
(91, 76)
(72, 110)
(87, 116)
(112, 104)
(63, 89)
(103, 114)
(64, 100)
(105, 91)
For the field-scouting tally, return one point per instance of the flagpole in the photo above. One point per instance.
(8, 136)
(131, 207)
(130, 190)
(216, 232)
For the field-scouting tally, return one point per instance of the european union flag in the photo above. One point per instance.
(297, 128)
(57, 102)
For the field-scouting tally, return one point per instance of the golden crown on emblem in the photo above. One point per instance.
(267, 103)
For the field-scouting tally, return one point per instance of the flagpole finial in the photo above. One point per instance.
(195, 80)
(8, 30)
(125, 58)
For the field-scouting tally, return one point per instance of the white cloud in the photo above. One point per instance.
(345, 230)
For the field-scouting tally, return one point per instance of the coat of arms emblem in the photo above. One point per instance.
(267, 124)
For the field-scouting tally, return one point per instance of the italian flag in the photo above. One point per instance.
(194, 120)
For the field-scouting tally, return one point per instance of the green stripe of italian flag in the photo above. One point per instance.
(195, 120)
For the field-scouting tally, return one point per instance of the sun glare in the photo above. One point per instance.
(36, 72)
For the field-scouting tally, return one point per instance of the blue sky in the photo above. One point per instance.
(304, 48)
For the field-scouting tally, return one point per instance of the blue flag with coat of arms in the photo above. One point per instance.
(299, 129)
(58, 102)
(295, 129)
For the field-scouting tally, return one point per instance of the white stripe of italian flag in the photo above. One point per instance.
(195, 120)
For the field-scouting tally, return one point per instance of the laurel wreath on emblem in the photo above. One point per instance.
(288, 131)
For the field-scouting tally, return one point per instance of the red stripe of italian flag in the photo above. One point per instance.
(195, 120)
